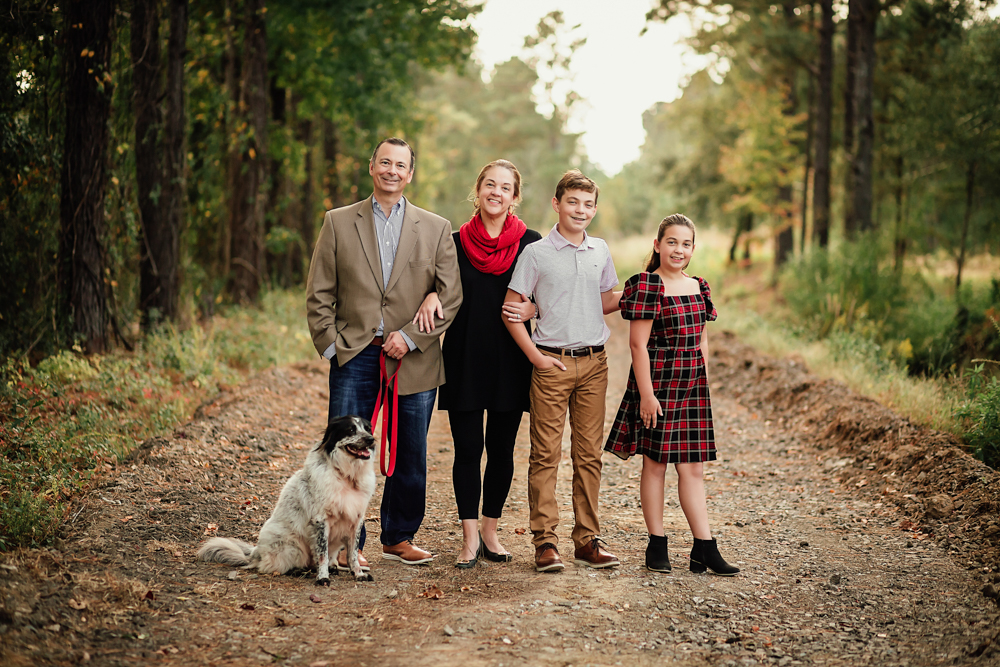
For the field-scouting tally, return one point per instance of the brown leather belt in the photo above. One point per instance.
(377, 340)
(575, 352)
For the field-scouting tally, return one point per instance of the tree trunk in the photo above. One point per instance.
(306, 213)
(248, 197)
(744, 224)
(231, 83)
(159, 165)
(899, 244)
(970, 182)
(331, 177)
(785, 240)
(279, 199)
(824, 105)
(174, 162)
(853, 19)
(147, 77)
(861, 212)
(81, 206)
(807, 172)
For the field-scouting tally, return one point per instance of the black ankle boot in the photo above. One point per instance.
(657, 558)
(705, 555)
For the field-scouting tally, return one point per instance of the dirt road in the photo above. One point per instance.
(849, 555)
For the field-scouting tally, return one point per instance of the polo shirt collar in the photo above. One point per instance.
(560, 242)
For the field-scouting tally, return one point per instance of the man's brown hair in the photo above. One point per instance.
(575, 180)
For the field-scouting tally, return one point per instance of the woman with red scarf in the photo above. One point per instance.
(484, 368)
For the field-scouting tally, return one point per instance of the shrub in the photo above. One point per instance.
(980, 413)
(849, 288)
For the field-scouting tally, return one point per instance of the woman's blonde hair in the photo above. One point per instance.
(506, 164)
(675, 220)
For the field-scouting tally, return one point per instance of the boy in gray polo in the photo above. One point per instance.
(571, 276)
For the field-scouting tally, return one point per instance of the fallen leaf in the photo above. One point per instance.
(150, 595)
(315, 598)
(128, 518)
(519, 531)
(466, 588)
(210, 528)
(247, 606)
(77, 604)
(432, 593)
(168, 649)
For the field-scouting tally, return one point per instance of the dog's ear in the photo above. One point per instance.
(367, 424)
(337, 430)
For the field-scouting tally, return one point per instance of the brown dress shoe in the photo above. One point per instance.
(592, 555)
(547, 558)
(342, 562)
(406, 553)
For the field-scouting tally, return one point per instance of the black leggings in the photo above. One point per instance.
(467, 432)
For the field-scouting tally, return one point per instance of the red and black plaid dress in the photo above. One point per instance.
(684, 434)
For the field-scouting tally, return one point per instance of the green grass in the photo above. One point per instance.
(72, 418)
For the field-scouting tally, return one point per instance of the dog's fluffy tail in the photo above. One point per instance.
(226, 550)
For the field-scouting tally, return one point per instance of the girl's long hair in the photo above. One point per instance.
(677, 219)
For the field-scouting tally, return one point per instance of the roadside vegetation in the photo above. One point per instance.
(71, 419)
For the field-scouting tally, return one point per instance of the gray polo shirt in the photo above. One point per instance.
(567, 282)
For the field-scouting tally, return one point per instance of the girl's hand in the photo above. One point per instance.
(518, 311)
(649, 408)
(431, 306)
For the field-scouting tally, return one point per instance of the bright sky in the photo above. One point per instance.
(618, 73)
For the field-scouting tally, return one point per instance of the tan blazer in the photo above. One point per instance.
(344, 294)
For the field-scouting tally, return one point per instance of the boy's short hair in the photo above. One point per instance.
(575, 180)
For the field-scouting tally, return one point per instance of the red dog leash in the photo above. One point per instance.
(387, 384)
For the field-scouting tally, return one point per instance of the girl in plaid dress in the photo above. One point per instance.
(666, 413)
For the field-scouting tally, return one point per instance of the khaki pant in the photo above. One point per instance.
(581, 388)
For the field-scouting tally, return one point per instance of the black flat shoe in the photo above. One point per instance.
(469, 564)
(495, 557)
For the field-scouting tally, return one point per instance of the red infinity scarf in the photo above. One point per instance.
(487, 254)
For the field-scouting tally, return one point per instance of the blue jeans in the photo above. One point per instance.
(353, 390)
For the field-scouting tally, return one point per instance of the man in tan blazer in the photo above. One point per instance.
(374, 263)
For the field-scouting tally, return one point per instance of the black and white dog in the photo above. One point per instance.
(320, 510)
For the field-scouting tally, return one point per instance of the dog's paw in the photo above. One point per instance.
(325, 581)
(364, 576)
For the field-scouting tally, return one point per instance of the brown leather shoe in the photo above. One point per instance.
(406, 553)
(592, 555)
(547, 558)
(342, 561)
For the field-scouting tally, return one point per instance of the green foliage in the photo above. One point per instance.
(980, 414)
(467, 123)
(848, 288)
(70, 419)
(912, 319)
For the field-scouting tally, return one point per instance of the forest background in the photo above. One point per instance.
(165, 165)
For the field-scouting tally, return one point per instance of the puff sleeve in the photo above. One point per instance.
(706, 294)
(642, 297)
